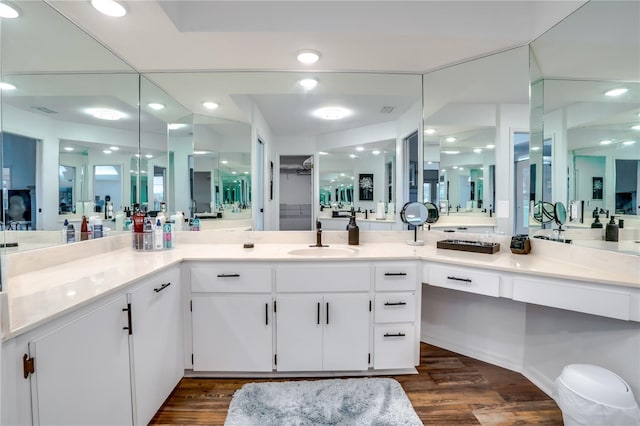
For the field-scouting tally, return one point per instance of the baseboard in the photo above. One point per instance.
(540, 380)
(298, 374)
(491, 358)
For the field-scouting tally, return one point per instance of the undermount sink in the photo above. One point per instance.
(323, 251)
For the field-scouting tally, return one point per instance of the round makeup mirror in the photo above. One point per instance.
(432, 212)
(544, 212)
(559, 214)
(414, 214)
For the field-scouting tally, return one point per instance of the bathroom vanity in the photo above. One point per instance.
(87, 339)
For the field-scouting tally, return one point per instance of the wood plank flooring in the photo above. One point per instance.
(449, 389)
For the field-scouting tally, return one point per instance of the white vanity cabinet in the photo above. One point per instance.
(156, 341)
(232, 317)
(323, 317)
(82, 369)
(396, 314)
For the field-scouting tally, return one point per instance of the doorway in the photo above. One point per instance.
(296, 192)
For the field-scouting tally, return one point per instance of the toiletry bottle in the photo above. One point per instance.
(158, 238)
(167, 234)
(611, 231)
(353, 230)
(64, 231)
(119, 221)
(596, 223)
(195, 226)
(84, 229)
(96, 228)
(148, 234)
(71, 234)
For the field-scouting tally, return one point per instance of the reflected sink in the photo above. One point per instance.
(323, 251)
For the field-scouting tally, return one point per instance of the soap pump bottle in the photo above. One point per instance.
(611, 231)
(84, 229)
(353, 230)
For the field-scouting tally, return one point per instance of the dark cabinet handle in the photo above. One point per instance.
(395, 303)
(395, 274)
(466, 280)
(162, 287)
(128, 311)
(318, 321)
(266, 314)
(228, 275)
(327, 313)
(394, 335)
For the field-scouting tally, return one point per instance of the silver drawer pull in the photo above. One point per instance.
(228, 275)
(394, 303)
(466, 280)
(394, 335)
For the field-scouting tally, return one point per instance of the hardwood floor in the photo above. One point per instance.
(449, 389)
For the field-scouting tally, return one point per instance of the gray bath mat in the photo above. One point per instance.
(322, 402)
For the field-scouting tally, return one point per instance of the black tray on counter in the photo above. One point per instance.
(472, 246)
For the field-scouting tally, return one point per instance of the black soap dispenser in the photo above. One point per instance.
(611, 231)
(353, 230)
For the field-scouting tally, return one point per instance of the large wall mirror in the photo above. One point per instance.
(475, 113)
(70, 127)
(586, 89)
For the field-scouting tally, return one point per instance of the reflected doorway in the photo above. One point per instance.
(295, 192)
(107, 188)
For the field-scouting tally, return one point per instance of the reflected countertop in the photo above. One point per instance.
(36, 297)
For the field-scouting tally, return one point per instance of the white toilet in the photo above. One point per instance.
(592, 395)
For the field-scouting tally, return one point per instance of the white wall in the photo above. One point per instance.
(260, 129)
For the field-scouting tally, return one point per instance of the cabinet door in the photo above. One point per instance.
(299, 332)
(232, 333)
(157, 351)
(82, 370)
(346, 332)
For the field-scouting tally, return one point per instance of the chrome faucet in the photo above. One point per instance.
(318, 235)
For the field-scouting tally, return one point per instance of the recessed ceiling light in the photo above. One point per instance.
(308, 57)
(105, 114)
(636, 127)
(376, 152)
(308, 83)
(69, 148)
(200, 152)
(107, 151)
(7, 11)
(627, 143)
(155, 105)
(460, 168)
(455, 167)
(148, 156)
(332, 113)
(114, 148)
(429, 162)
(477, 150)
(450, 139)
(359, 148)
(143, 171)
(490, 146)
(234, 173)
(109, 8)
(137, 155)
(535, 148)
(429, 131)
(7, 86)
(353, 156)
(323, 153)
(616, 92)
(175, 126)
(246, 173)
(342, 174)
(224, 162)
(451, 152)
(607, 142)
(210, 105)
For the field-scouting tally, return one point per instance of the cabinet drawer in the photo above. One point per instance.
(573, 297)
(323, 277)
(395, 307)
(395, 276)
(231, 278)
(394, 346)
(465, 279)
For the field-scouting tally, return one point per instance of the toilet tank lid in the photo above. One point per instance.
(598, 384)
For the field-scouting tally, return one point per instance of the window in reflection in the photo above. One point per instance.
(19, 180)
(67, 175)
(107, 188)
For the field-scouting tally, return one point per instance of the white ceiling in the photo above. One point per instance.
(398, 36)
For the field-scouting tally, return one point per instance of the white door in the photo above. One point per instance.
(82, 370)
(157, 352)
(299, 332)
(232, 333)
(346, 332)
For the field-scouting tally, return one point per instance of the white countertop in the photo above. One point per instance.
(38, 296)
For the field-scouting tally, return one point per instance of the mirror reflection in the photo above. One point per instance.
(469, 127)
(587, 119)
